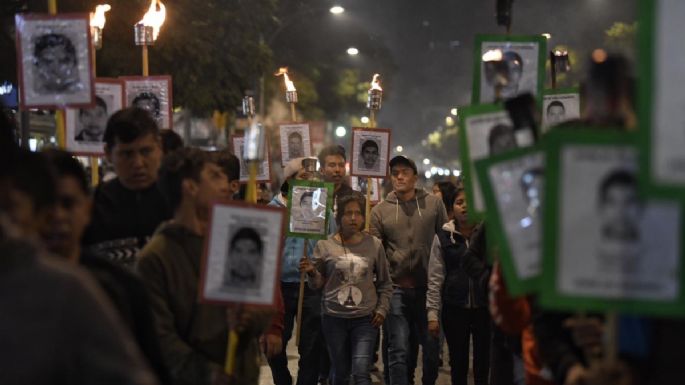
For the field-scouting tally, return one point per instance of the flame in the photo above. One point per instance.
(97, 18)
(289, 85)
(376, 82)
(493, 55)
(154, 18)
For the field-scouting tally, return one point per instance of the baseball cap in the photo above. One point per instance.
(403, 160)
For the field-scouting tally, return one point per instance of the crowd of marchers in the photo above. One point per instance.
(101, 287)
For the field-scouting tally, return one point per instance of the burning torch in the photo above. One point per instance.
(373, 103)
(147, 29)
(97, 24)
(290, 91)
(559, 63)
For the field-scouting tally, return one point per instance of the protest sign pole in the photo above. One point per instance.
(373, 103)
(59, 113)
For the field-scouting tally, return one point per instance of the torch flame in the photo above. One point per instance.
(97, 18)
(154, 18)
(493, 55)
(376, 82)
(289, 85)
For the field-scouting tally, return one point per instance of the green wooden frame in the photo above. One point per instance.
(495, 225)
(646, 85)
(467, 166)
(329, 205)
(478, 58)
(550, 297)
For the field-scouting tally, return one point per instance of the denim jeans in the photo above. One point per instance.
(406, 327)
(350, 343)
(311, 346)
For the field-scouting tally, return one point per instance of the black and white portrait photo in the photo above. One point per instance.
(559, 108)
(309, 209)
(54, 54)
(517, 187)
(85, 127)
(486, 134)
(518, 69)
(361, 184)
(295, 141)
(263, 168)
(153, 94)
(241, 263)
(370, 149)
(631, 246)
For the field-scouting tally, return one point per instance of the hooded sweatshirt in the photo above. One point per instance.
(407, 230)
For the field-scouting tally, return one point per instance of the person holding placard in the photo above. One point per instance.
(193, 335)
(311, 346)
(352, 270)
(406, 221)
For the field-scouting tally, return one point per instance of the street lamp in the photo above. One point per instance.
(365, 119)
(426, 161)
(337, 10)
(454, 111)
(399, 148)
(340, 131)
(352, 51)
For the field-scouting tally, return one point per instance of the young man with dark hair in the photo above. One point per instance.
(128, 209)
(92, 122)
(57, 324)
(62, 235)
(407, 221)
(54, 57)
(556, 113)
(193, 335)
(369, 155)
(332, 162)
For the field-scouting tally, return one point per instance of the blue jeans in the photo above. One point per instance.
(350, 343)
(406, 327)
(311, 346)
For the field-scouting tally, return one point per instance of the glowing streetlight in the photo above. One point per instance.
(454, 111)
(337, 10)
(456, 173)
(426, 161)
(399, 149)
(352, 51)
(427, 174)
(547, 35)
(340, 131)
(365, 119)
(449, 121)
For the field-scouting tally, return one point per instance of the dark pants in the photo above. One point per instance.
(350, 344)
(459, 324)
(406, 327)
(311, 345)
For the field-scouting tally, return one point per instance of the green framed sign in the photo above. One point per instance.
(525, 58)
(513, 190)
(606, 247)
(661, 99)
(560, 105)
(310, 206)
(482, 130)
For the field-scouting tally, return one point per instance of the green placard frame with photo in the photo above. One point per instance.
(558, 91)
(550, 297)
(467, 166)
(646, 71)
(515, 285)
(329, 207)
(478, 59)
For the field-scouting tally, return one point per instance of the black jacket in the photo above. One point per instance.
(123, 220)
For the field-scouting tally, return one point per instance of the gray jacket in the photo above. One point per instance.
(407, 230)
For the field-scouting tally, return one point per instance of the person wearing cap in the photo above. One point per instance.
(311, 346)
(407, 221)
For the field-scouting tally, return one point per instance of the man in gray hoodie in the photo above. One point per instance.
(406, 221)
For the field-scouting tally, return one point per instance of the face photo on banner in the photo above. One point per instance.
(85, 127)
(370, 150)
(242, 256)
(308, 210)
(263, 168)
(361, 184)
(54, 60)
(522, 69)
(666, 103)
(295, 141)
(487, 134)
(517, 187)
(558, 108)
(153, 94)
(631, 247)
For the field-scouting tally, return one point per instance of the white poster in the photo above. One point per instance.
(612, 242)
(370, 150)
(559, 108)
(522, 60)
(308, 210)
(153, 94)
(263, 168)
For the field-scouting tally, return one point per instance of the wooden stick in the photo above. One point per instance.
(367, 213)
(146, 64)
(293, 113)
(94, 170)
(611, 330)
(300, 300)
